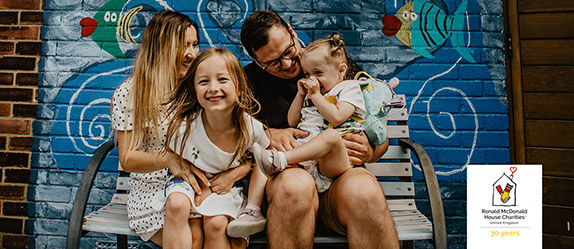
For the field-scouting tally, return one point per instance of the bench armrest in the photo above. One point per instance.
(433, 192)
(81, 200)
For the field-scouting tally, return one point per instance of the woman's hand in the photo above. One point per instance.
(200, 197)
(185, 170)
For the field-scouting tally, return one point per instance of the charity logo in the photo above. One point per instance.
(504, 190)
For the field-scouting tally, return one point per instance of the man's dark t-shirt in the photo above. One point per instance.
(274, 94)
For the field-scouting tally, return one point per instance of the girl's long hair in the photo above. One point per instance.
(155, 71)
(184, 106)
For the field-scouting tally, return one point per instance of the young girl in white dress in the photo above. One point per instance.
(213, 129)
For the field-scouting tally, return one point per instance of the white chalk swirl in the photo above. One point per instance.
(96, 133)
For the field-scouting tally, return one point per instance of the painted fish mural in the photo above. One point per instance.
(422, 25)
(118, 24)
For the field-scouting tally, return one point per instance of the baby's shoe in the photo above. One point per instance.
(269, 161)
(249, 222)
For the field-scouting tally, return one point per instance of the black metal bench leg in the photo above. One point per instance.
(122, 241)
(407, 244)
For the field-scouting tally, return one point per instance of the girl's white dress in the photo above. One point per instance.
(201, 152)
(144, 187)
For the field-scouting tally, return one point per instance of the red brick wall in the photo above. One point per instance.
(20, 45)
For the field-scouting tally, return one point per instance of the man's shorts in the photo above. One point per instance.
(326, 216)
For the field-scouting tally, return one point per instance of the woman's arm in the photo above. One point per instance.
(138, 161)
(144, 162)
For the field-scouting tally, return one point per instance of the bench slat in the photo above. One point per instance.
(402, 204)
(398, 114)
(107, 217)
(396, 152)
(398, 131)
(398, 188)
(123, 183)
(389, 169)
(118, 211)
(120, 199)
(114, 228)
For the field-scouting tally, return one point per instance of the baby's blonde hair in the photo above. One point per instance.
(335, 47)
(184, 105)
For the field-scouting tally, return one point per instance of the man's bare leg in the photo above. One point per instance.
(293, 204)
(359, 204)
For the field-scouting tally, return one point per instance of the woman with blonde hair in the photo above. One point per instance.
(169, 45)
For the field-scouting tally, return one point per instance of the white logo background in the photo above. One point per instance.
(491, 226)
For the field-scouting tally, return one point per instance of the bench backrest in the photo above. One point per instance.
(393, 171)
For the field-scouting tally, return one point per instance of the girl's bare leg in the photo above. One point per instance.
(214, 228)
(256, 187)
(327, 147)
(238, 243)
(176, 229)
(251, 221)
(196, 226)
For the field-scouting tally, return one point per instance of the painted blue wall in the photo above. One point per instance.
(458, 109)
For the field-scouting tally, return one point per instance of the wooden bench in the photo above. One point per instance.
(394, 172)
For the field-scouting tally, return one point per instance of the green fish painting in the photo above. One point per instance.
(110, 27)
(422, 25)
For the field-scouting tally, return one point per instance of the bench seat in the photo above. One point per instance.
(409, 222)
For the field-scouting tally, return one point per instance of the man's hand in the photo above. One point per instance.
(358, 148)
(284, 139)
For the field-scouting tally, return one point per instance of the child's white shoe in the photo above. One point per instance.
(249, 222)
(268, 160)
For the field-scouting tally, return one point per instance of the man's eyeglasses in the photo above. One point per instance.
(275, 65)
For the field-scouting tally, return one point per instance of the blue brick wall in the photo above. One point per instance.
(458, 109)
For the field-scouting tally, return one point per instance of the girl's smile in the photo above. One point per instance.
(214, 85)
(215, 99)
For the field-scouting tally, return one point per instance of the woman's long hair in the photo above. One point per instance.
(184, 105)
(155, 71)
